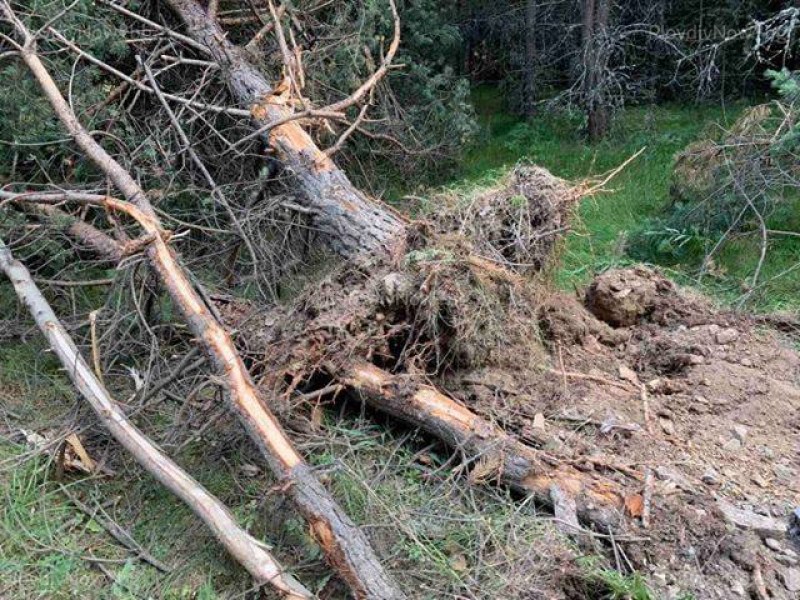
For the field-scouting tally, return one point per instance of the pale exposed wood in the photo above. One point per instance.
(344, 544)
(248, 551)
(500, 457)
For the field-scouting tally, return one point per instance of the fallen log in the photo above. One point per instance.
(248, 551)
(344, 544)
(499, 456)
(351, 223)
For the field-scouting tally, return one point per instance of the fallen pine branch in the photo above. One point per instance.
(500, 456)
(248, 551)
(344, 544)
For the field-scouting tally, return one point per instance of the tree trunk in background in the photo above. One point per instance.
(352, 223)
(595, 22)
(529, 77)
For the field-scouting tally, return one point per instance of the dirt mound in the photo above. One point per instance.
(708, 404)
(692, 410)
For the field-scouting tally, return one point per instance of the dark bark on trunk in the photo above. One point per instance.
(352, 223)
(595, 22)
(92, 238)
(529, 77)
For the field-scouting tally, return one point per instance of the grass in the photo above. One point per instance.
(441, 538)
(641, 191)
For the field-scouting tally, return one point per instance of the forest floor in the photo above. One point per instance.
(713, 433)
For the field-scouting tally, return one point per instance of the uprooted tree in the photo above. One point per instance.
(415, 297)
(413, 307)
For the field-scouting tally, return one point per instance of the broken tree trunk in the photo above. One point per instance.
(344, 544)
(352, 223)
(501, 457)
(248, 551)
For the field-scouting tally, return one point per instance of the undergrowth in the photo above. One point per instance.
(638, 195)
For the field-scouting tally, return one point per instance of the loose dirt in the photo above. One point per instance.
(701, 404)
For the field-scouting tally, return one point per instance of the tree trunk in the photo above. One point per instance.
(502, 457)
(595, 23)
(344, 544)
(352, 223)
(529, 77)
(248, 551)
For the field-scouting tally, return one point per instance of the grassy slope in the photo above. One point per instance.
(639, 192)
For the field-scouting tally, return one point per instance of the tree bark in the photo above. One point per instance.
(89, 236)
(345, 546)
(352, 223)
(502, 457)
(529, 77)
(248, 551)
(595, 23)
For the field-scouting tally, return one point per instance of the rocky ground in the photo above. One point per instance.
(697, 408)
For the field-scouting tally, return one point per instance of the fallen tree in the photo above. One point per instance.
(500, 456)
(351, 222)
(345, 546)
(249, 552)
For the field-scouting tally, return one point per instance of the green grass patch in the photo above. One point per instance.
(555, 140)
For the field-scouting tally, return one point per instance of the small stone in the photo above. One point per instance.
(791, 579)
(628, 374)
(667, 426)
(746, 362)
(538, 421)
(767, 452)
(695, 359)
(740, 432)
(249, 470)
(773, 544)
(738, 589)
(790, 553)
(787, 560)
(783, 472)
(700, 399)
(458, 563)
(759, 481)
(732, 445)
(726, 336)
(710, 477)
